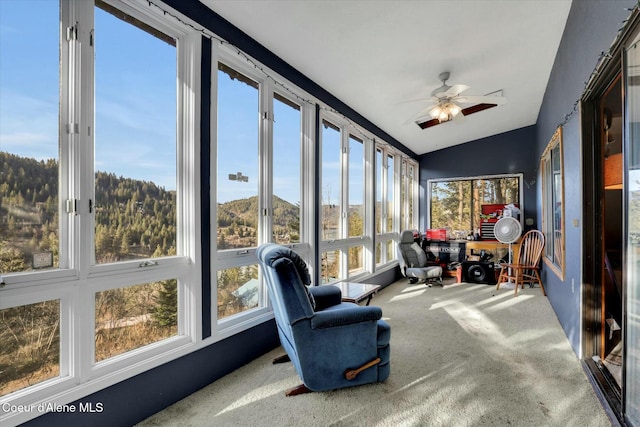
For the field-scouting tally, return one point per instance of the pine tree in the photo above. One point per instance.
(166, 311)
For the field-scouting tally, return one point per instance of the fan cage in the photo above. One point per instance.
(507, 230)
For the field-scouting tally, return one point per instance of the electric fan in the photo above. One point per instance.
(507, 230)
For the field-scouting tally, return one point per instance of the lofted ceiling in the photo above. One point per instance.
(374, 55)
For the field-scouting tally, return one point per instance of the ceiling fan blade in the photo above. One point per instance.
(497, 100)
(477, 108)
(420, 115)
(428, 123)
(455, 90)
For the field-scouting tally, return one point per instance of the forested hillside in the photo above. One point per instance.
(133, 219)
(28, 210)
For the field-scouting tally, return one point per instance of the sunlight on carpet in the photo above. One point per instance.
(257, 394)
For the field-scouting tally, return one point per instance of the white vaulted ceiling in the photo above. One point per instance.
(376, 54)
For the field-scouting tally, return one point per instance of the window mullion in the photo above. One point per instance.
(369, 200)
(265, 185)
(83, 162)
(344, 200)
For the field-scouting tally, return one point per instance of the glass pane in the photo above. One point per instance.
(330, 266)
(134, 316)
(30, 343)
(29, 99)
(464, 205)
(391, 253)
(451, 205)
(403, 196)
(238, 138)
(135, 142)
(552, 220)
(390, 196)
(378, 207)
(330, 181)
(557, 206)
(238, 290)
(410, 196)
(494, 191)
(632, 357)
(286, 171)
(356, 187)
(356, 260)
(378, 253)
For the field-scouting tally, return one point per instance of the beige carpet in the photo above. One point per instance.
(460, 356)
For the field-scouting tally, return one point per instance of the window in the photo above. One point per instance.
(30, 338)
(258, 160)
(330, 179)
(386, 233)
(135, 194)
(29, 160)
(287, 158)
(132, 317)
(345, 240)
(238, 131)
(98, 167)
(552, 204)
(408, 213)
(356, 187)
(461, 204)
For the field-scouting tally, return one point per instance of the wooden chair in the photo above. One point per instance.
(526, 269)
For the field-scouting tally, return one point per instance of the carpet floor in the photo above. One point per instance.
(461, 355)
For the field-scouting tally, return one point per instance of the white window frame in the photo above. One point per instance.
(344, 242)
(77, 280)
(230, 258)
(387, 234)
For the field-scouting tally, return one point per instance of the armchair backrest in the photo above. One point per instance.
(410, 254)
(287, 278)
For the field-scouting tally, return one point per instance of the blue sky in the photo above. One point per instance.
(135, 99)
(135, 87)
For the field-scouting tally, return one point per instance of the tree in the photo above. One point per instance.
(166, 310)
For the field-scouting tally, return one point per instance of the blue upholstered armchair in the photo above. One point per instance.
(332, 344)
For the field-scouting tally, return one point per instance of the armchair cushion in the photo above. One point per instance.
(325, 296)
(346, 316)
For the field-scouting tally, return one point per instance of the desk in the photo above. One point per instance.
(356, 292)
(499, 250)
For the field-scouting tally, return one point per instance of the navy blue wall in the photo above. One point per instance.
(590, 30)
(509, 152)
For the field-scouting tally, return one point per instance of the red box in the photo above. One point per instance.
(439, 234)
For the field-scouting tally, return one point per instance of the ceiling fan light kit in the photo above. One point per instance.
(445, 102)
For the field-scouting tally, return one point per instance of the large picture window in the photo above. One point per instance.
(457, 204)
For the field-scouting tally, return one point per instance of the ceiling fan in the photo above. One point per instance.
(446, 103)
